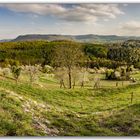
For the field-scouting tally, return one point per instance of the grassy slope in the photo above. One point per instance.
(34, 110)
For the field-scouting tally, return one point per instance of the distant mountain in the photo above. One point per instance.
(99, 38)
(48, 37)
(5, 40)
(80, 38)
(104, 38)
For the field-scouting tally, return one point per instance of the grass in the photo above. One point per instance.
(13, 120)
(38, 111)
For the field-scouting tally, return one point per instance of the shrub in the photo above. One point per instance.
(47, 69)
(5, 71)
(120, 73)
(109, 74)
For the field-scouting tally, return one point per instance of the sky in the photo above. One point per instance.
(69, 19)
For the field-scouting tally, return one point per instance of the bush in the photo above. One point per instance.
(6, 71)
(109, 74)
(120, 73)
(47, 69)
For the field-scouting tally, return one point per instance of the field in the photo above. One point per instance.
(45, 109)
(69, 69)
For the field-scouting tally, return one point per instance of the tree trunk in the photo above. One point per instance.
(62, 83)
(82, 84)
(69, 74)
(132, 94)
(16, 80)
(73, 84)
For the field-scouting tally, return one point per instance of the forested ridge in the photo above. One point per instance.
(41, 52)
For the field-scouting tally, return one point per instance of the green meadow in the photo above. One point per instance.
(43, 109)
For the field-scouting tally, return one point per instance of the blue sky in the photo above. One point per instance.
(106, 19)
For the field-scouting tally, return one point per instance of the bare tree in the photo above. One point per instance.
(96, 82)
(84, 78)
(75, 76)
(60, 74)
(32, 72)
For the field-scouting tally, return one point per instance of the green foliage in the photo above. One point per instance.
(109, 74)
(42, 52)
(96, 50)
(102, 62)
(30, 52)
(129, 55)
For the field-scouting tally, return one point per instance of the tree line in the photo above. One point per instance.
(97, 55)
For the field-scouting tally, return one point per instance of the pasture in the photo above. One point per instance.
(44, 108)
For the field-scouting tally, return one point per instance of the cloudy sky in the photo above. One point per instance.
(105, 19)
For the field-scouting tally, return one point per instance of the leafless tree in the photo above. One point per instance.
(60, 74)
(32, 72)
(97, 82)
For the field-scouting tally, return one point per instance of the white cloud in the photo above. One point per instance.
(125, 4)
(131, 25)
(76, 12)
(129, 28)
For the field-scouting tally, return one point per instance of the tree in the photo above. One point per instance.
(127, 54)
(75, 76)
(84, 76)
(47, 55)
(97, 82)
(32, 72)
(68, 55)
(95, 50)
(60, 74)
(16, 71)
